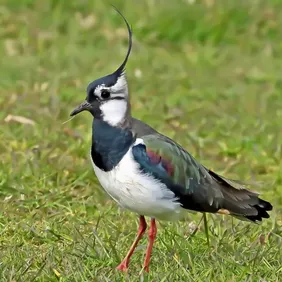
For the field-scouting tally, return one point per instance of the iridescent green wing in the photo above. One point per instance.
(172, 165)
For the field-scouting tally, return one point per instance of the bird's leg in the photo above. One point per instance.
(123, 266)
(152, 236)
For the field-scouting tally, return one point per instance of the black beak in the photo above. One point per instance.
(84, 106)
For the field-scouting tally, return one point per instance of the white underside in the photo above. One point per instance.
(139, 192)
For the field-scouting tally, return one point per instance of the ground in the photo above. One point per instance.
(206, 73)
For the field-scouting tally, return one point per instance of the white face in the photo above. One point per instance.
(114, 107)
(114, 111)
(118, 90)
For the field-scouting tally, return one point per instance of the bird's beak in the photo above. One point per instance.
(84, 106)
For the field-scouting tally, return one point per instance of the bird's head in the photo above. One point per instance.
(107, 97)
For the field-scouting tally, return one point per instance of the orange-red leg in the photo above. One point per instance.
(123, 266)
(152, 235)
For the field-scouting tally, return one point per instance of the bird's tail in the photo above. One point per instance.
(240, 202)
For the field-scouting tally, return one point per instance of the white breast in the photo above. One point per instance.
(139, 192)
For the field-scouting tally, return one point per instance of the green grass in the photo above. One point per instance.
(207, 74)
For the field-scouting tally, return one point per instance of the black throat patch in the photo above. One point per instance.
(109, 144)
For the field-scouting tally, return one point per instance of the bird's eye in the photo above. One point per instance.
(105, 94)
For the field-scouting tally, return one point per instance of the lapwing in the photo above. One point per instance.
(150, 174)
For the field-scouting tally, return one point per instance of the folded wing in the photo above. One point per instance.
(196, 187)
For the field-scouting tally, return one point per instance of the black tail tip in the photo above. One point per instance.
(262, 207)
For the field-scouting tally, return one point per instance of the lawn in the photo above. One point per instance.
(206, 73)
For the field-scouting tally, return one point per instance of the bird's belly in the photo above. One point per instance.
(139, 192)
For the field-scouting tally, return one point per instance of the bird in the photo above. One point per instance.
(150, 174)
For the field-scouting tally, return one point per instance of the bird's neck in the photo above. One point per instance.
(109, 144)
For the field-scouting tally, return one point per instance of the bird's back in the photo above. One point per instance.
(196, 187)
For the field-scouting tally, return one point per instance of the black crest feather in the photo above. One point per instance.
(121, 68)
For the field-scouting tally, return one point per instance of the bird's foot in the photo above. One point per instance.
(146, 268)
(123, 266)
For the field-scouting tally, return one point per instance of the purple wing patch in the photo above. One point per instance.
(155, 158)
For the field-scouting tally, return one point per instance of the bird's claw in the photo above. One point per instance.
(146, 268)
(122, 267)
